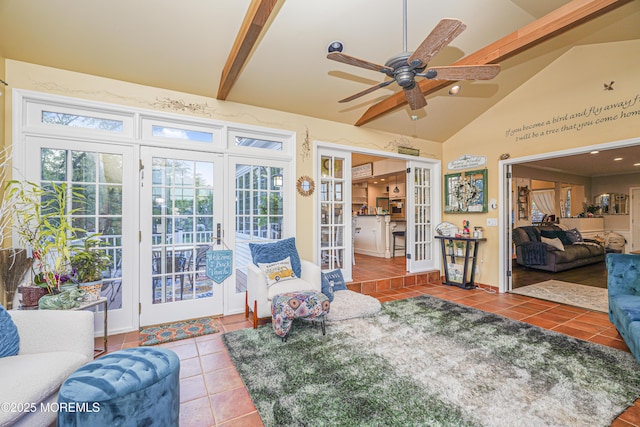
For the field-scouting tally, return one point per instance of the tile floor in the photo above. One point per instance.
(212, 393)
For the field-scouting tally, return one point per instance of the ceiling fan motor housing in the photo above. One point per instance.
(403, 74)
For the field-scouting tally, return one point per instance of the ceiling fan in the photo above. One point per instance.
(404, 67)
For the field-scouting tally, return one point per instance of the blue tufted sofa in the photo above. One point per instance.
(623, 282)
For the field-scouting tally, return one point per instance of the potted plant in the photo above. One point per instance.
(459, 248)
(88, 262)
(41, 219)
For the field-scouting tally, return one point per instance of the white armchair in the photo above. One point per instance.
(259, 294)
(53, 344)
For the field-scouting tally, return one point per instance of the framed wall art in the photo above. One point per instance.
(465, 192)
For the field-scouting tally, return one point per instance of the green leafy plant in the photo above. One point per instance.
(89, 261)
(41, 219)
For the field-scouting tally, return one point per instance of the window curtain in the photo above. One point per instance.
(545, 201)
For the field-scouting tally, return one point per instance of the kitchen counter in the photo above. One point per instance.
(372, 234)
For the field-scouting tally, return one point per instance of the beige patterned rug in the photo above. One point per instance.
(588, 297)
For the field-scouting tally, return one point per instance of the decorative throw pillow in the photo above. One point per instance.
(574, 235)
(553, 234)
(277, 271)
(277, 251)
(555, 242)
(335, 280)
(9, 338)
(327, 288)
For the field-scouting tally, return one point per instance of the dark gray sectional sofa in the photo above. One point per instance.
(567, 249)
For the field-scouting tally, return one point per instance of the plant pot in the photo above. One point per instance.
(31, 295)
(92, 290)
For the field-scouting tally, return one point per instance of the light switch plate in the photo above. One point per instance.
(492, 222)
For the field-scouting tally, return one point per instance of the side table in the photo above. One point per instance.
(461, 249)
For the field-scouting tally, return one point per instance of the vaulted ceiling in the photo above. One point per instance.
(272, 53)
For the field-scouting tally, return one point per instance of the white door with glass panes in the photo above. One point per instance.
(258, 188)
(101, 174)
(422, 216)
(334, 204)
(181, 213)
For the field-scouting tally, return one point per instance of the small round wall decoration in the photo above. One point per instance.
(305, 186)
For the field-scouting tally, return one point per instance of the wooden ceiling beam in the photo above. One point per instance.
(560, 20)
(254, 23)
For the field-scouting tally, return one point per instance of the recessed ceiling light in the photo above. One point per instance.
(636, 164)
(594, 152)
(617, 159)
(454, 90)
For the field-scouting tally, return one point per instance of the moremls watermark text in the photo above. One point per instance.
(50, 407)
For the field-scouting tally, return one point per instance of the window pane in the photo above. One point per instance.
(176, 133)
(87, 122)
(110, 168)
(258, 143)
(53, 164)
(84, 166)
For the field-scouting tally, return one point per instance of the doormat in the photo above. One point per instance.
(158, 334)
(588, 297)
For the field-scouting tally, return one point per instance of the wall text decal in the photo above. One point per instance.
(577, 120)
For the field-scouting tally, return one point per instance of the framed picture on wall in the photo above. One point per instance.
(465, 192)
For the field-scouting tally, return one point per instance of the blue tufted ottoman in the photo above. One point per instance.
(132, 387)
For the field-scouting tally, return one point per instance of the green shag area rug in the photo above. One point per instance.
(429, 362)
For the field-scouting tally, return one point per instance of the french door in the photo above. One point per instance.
(258, 213)
(102, 173)
(334, 203)
(181, 213)
(421, 217)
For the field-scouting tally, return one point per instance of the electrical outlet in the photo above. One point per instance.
(492, 222)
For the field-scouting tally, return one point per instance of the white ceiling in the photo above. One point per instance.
(183, 46)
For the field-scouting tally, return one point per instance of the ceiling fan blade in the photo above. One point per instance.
(366, 91)
(462, 72)
(351, 60)
(443, 33)
(415, 98)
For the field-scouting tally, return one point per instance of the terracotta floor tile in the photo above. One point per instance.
(222, 380)
(209, 346)
(250, 420)
(234, 318)
(573, 332)
(231, 404)
(512, 314)
(236, 326)
(610, 342)
(190, 367)
(554, 317)
(192, 388)
(196, 413)
(537, 321)
(585, 326)
(186, 351)
(632, 415)
(215, 361)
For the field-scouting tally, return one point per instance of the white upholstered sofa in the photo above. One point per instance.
(53, 344)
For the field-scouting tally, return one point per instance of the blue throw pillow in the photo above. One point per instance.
(277, 251)
(574, 235)
(9, 339)
(335, 280)
(327, 288)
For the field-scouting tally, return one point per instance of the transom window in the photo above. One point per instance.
(79, 121)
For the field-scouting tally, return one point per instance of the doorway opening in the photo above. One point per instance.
(572, 189)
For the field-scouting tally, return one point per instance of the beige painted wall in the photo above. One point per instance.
(55, 81)
(562, 107)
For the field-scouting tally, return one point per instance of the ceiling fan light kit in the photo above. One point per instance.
(404, 67)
